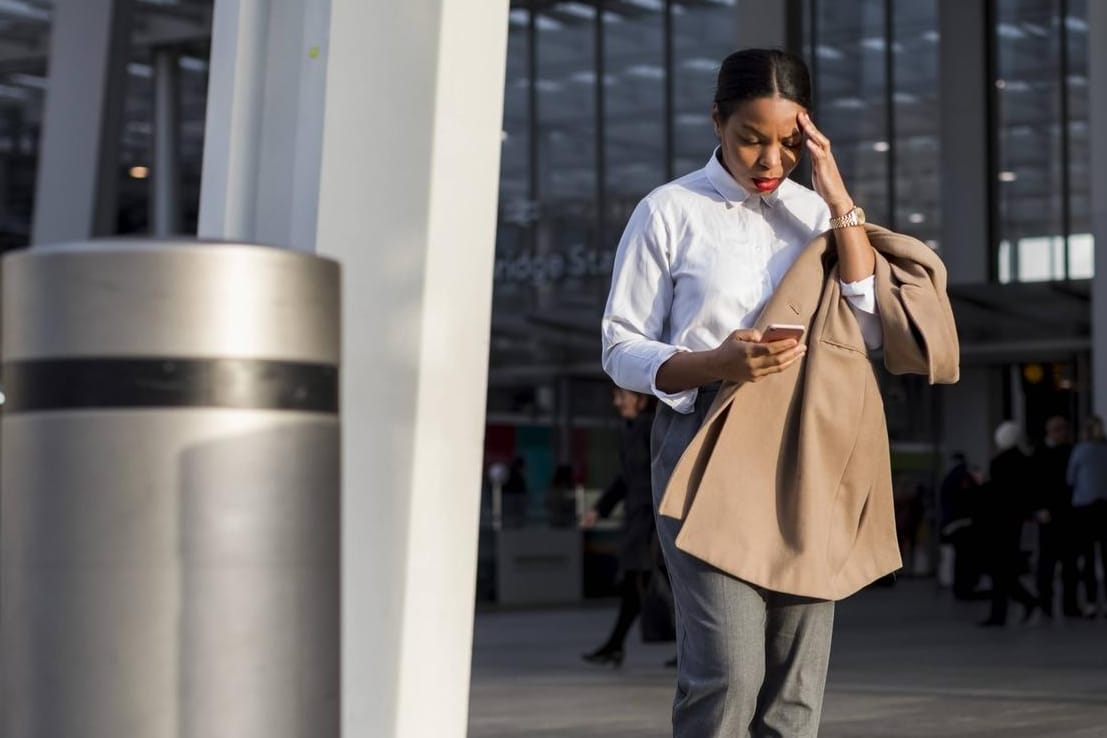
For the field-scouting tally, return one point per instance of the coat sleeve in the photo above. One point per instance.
(920, 336)
(612, 496)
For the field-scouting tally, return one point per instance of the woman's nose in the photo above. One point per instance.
(770, 157)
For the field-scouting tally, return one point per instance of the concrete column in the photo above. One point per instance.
(264, 121)
(407, 203)
(165, 184)
(1097, 90)
(370, 132)
(75, 194)
(964, 136)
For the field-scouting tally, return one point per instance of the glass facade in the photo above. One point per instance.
(1041, 113)
(875, 66)
(851, 87)
(25, 37)
(138, 131)
(875, 70)
(605, 100)
(184, 27)
(601, 107)
(702, 35)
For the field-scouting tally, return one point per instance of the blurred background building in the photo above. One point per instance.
(965, 124)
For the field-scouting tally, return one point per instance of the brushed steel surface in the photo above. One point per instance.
(170, 574)
(181, 298)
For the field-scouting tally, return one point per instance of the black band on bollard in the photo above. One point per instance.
(246, 384)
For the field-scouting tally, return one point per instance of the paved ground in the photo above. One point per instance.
(907, 662)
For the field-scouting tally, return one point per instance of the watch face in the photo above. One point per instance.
(860, 215)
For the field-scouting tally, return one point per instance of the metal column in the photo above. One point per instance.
(169, 492)
(166, 189)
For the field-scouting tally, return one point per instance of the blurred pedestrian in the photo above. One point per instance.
(561, 498)
(958, 498)
(513, 494)
(908, 496)
(1004, 508)
(1056, 535)
(638, 537)
(1087, 472)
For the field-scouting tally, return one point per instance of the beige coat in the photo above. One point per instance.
(787, 484)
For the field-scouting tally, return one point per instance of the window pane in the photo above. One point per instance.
(23, 85)
(915, 99)
(1080, 239)
(566, 82)
(513, 290)
(703, 35)
(634, 107)
(1028, 46)
(634, 96)
(851, 87)
(515, 206)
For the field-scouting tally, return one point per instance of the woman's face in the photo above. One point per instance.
(761, 142)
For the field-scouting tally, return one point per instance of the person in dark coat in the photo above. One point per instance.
(633, 488)
(958, 501)
(514, 495)
(1005, 505)
(1056, 533)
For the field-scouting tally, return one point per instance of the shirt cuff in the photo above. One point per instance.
(862, 293)
(683, 402)
(862, 299)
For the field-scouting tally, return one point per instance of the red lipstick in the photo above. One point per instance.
(766, 184)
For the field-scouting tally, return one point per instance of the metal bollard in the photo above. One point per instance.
(169, 492)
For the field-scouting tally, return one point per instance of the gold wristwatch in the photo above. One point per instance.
(854, 217)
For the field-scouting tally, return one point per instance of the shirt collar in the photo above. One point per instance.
(731, 191)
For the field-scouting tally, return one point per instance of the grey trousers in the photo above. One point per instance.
(750, 662)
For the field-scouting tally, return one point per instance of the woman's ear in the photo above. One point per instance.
(716, 121)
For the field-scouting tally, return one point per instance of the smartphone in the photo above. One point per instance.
(782, 331)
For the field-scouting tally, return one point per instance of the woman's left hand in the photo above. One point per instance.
(825, 177)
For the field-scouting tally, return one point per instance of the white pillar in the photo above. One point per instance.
(1097, 91)
(964, 136)
(408, 205)
(165, 184)
(75, 193)
(264, 121)
(371, 133)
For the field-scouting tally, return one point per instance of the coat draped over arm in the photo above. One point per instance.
(787, 485)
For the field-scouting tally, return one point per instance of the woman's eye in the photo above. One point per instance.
(794, 143)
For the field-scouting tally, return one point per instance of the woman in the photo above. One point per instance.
(1087, 473)
(632, 488)
(696, 270)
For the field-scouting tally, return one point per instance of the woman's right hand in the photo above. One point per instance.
(741, 357)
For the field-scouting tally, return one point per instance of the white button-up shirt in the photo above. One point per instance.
(699, 259)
